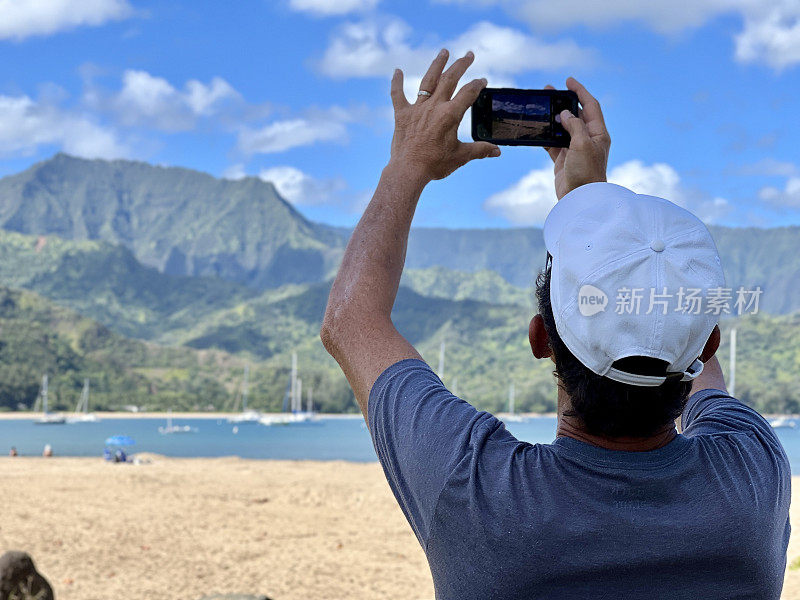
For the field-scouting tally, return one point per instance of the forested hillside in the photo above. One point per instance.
(160, 284)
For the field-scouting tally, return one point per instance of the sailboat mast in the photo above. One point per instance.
(44, 394)
(85, 396)
(244, 388)
(293, 394)
(299, 405)
(441, 361)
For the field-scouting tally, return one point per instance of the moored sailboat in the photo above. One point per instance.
(47, 417)
(170, 428)
(82, 414)
(247, 415)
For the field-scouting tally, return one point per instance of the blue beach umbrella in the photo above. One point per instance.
(120, 440)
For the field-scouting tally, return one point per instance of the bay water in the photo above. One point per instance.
(320, 439)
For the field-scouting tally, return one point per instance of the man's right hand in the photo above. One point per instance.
(586, 159)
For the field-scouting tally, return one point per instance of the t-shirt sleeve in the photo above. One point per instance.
(420, 432)
(714, 411)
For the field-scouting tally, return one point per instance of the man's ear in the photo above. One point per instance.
(537, 335)
(712, 345)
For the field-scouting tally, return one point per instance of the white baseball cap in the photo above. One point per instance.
(610, 246)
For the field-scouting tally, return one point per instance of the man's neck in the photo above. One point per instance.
(572, 427)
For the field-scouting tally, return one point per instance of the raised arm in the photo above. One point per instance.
(357, 329)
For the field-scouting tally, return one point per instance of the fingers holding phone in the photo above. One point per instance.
(586, 159)
(569, 124)
(591, 113)
(425, 142)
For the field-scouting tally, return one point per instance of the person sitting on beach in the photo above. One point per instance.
(620, 505)
(48, 450)
(13, 451)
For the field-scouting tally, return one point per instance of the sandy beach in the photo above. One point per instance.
(183, 528)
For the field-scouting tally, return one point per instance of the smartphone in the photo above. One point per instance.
(512, 117)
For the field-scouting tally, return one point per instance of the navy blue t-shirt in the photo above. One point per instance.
(706, 516)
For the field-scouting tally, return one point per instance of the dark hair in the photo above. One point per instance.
(604, 406)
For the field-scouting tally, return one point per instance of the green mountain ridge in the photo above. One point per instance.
(184, 222)
(106, 283)
(180, 221)
(182, 279)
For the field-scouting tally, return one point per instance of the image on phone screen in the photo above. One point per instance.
(520, 117)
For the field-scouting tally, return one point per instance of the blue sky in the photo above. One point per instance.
(700, 97)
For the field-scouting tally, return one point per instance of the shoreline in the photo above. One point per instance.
(24, 415)
(120, 414)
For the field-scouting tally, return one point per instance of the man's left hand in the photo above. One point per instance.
(425, 136)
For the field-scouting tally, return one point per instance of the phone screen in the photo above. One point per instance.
(522, 117)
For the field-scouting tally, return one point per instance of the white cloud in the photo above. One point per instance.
(204, 99)
(25, 18)
(293, 185)
(374, 49)
(771, 35)
(327, 8)
(26, 124)
(285, 134)
(369, 49)
(148, 100)
(712, 210)
(662, 180)
(504, 51)
(661, 15)
(528, 201)
(659, 179)
(299, 188)
(82, 137)
(788, 197)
